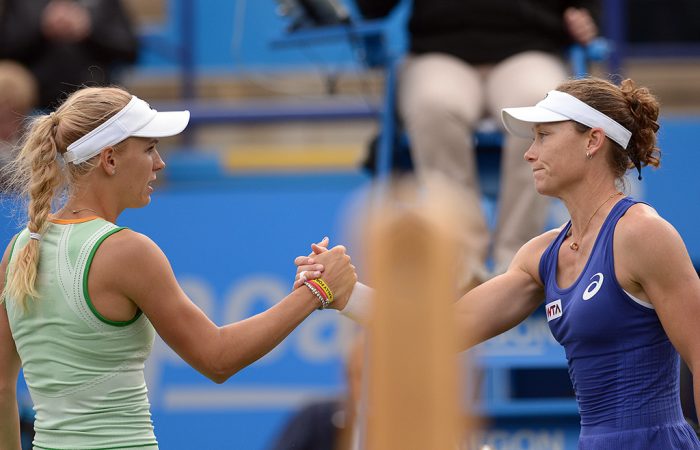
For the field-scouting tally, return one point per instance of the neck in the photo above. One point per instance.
(81, 206)
(583, 202)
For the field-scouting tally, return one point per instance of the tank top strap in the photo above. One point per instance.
(607, 231)
(549, 258)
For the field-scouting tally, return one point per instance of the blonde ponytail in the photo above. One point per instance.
(37, 172)
(39, 156)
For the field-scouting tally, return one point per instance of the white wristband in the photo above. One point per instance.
(358, 307)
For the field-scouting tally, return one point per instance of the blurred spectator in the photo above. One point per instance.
(18, 94)
(66, 43)
(329, 424)
(468, 59)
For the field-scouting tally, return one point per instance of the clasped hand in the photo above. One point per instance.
(333, 265)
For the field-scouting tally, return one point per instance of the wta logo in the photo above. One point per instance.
(594, 287)
(553, 310)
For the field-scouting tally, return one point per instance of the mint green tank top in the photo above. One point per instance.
(84, 372)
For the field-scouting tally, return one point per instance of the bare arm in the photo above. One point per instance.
(9, 371)
(146, 278)
(484, 312)
(506, 300)
(656, 267)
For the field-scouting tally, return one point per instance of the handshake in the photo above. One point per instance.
(328, 273)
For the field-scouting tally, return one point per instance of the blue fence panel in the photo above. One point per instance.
(674, 189)
(236, 36)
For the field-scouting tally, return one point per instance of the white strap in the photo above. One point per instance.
(120, 126)
(573, 108)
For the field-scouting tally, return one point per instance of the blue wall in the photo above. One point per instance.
(231, 244)
(237, 36)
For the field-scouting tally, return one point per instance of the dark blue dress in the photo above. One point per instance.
(624, 370)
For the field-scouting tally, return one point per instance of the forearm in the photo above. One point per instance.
(9, 424)
(495, 307)
(477, 319)
(244, 342)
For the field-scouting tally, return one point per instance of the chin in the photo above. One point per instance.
(545, 190)
(144, 202)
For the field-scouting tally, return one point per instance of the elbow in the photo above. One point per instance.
(214, 373)
(217, 378)
(219, 368)
(220, 375)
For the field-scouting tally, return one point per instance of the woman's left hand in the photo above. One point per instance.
(307, 268)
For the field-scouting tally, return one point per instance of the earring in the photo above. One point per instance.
(114, 171)
(588, 155)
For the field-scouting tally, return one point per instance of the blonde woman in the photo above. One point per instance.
(83, 297)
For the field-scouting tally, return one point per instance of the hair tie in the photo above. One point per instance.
(35, 236)
(54, 118)
(637, 164)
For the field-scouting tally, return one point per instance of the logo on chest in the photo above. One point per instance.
(593, 288)
(553, 310)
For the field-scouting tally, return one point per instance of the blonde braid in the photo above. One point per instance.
(40, 151)
(37, 173)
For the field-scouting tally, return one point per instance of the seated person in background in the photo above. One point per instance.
(329, 424)
(469, 59)
(18, 94)
(66, 43)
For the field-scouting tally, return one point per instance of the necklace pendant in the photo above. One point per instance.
(573, 246)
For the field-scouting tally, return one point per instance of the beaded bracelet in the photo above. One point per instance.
(321, 297)
(323, 288)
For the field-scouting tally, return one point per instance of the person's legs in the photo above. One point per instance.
(440, 101)
(521, 80)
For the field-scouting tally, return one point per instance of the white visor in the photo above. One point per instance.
(135, 119)
(557, 107)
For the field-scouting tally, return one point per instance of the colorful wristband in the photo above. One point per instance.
(323, 286)
(321, 298)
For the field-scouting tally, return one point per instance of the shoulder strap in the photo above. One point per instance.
(549, 258)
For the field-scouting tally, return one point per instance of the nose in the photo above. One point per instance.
(158, 163)
(530, 155)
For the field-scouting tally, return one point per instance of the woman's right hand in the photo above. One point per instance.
(338, 273)
(307, 267)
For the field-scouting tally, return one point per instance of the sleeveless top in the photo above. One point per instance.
(623, 368)
(84, 372)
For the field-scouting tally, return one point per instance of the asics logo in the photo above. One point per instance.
(594, 287)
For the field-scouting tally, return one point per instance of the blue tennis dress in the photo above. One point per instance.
(624, 370)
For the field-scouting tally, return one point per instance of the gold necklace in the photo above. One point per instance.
(574, 246)
(76, 211)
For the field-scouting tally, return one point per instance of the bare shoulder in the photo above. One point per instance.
(534, 248)
(127, 251)
(641, 224)
(643, 238)
(528, 257)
